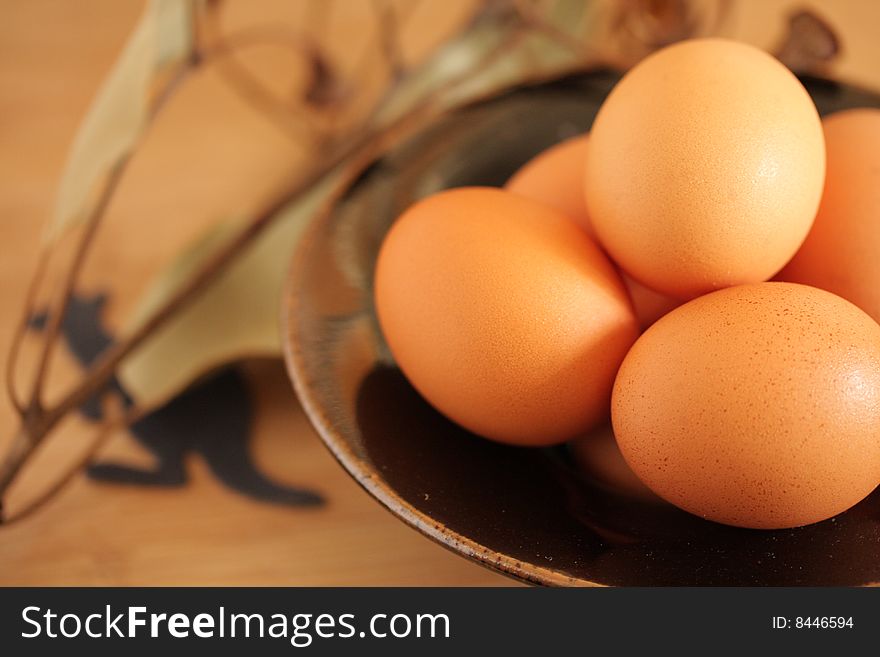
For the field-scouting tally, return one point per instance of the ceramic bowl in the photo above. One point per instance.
(528, 513)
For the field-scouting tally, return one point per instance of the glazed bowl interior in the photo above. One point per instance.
(526, 512)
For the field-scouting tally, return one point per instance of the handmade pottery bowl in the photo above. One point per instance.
(528, 513)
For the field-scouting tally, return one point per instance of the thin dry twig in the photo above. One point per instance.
(56, 316)
(403, 16)
(108, 191)
(115, 422)
(30, 303)
(301, 126)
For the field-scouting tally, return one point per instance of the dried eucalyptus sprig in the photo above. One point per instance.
(496, 49)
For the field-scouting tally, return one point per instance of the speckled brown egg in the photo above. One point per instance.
(503, 314)
(704, 168)
(842, 252)
(756, 406)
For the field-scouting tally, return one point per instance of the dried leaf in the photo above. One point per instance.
(527, 53)
(235, 317)
(118, 113)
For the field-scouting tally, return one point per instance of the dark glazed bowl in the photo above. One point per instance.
(525, 512)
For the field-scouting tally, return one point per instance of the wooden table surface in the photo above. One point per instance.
(53, 55)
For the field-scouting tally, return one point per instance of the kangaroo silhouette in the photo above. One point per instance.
(212, 419)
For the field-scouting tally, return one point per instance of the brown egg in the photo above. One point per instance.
(598, 457)
(704, 168)
(503, 314)
(756, 406)
(649, 305)
(555, 178)
(842, 252)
